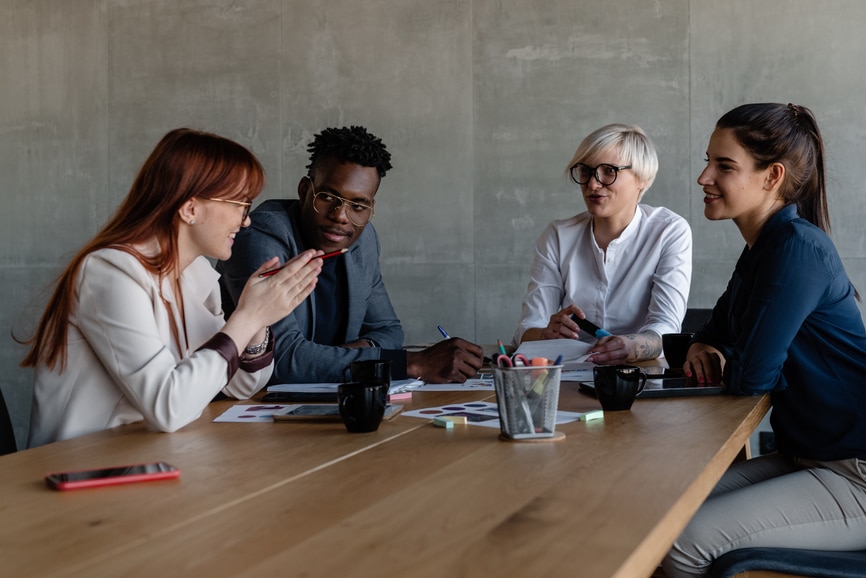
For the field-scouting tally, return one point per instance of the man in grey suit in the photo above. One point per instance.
(349, 316)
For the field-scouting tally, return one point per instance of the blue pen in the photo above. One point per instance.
(443, 332)
(590, 327)
(558, 360)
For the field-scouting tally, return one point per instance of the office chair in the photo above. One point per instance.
(7, 434)
(789, 562)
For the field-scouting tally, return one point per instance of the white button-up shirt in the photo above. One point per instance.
(641, 284)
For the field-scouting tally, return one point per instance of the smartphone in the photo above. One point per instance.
(111, 476)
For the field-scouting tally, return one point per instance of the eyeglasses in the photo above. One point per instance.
(604, 173)
(243, 204)
(359, 214)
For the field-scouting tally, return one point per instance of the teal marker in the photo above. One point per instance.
(590, 327)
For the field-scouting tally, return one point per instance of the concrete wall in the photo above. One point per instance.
(481, 102)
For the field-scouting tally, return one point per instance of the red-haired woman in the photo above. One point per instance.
(134, 329)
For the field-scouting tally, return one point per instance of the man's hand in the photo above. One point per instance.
(451, 361)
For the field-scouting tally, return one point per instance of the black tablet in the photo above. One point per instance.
(300, 397)
(667, 387)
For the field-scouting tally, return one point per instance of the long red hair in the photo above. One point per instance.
(185, 164)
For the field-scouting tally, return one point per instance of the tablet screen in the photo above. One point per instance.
(668, 387)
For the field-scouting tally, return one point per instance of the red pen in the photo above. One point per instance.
(325, 256)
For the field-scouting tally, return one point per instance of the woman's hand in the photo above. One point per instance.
(705, 363)
(560, 326)
(266, 300)
(617, 349)
(269, 299)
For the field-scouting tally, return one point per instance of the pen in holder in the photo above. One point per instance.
(527, 398)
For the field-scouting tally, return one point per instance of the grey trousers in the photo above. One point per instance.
(775, 501)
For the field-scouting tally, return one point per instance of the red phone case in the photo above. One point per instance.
(164, 471)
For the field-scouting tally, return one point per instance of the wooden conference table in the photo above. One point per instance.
(408, 500)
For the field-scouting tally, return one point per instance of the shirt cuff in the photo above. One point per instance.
(397, 357)
(262, 361)
(225, 346)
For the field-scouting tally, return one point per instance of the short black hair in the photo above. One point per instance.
(350, 145)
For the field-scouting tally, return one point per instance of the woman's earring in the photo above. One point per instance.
(192, 221)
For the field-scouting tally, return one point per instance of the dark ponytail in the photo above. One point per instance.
(786, 134)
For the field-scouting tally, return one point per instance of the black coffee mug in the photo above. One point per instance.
(362, 405)
(675, 347)
(369, 371)
(617, 385)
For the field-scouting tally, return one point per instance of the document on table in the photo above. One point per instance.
(397, 386)
(483, 381)
(483, 413)
(253, 413)
(573, 352)
(265, 412)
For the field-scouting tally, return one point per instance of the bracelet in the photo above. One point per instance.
(253, 350)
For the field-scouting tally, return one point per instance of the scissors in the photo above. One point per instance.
(516, 359)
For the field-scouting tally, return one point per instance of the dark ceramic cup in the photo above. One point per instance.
(362, 405)
(617, 385)
(369, 371)
(675, 347)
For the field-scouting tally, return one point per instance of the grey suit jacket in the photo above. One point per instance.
(297, 357)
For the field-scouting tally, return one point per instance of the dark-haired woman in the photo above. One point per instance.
(134, 329)
(788, 324)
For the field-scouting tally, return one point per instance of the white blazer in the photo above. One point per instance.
(122, 363)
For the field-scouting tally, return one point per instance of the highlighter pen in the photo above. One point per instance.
(325, 256)
(589, 327)
(501, 347)
(443, 332)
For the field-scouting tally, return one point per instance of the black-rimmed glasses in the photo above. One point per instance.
(604, 173)
(359, 214)
(243, 204)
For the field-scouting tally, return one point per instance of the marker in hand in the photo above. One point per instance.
(590, 327)
(325, 256)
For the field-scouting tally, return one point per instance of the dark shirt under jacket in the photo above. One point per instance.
(301, 354)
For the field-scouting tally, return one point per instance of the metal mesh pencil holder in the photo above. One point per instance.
(527, 398)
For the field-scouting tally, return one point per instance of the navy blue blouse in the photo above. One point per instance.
(788, 323)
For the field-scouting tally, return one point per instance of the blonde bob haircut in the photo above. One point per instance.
(630, 141)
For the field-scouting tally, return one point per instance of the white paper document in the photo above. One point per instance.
(253, 413)
(484, 381)
(573, 352)
(397, 386)
(483, 413)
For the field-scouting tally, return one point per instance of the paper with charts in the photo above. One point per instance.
(483, 413)
(483, 381)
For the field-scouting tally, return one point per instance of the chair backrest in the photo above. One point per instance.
(7, 434)
(695, 318)
(790, 562)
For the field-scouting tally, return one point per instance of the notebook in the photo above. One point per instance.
(667, 387)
